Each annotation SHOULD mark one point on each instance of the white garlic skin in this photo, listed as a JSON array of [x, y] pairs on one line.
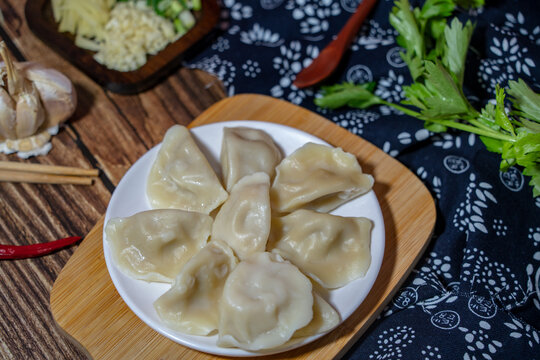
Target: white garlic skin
[[30, 112], [55, 90], [8, 115], [56, 93]]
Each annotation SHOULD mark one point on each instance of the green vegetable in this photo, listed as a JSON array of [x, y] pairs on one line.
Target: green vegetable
[[435, 49], [178, 11], [196, 5]]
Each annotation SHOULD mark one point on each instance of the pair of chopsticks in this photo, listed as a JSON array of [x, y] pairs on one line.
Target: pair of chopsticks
[[46, 174]]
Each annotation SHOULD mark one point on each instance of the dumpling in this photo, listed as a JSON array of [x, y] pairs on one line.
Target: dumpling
[[333, 250], [191, 305], [245, 151], [265, 301], [153, 245], [317, 177], [244, 220], [325, 318], [181, 176]]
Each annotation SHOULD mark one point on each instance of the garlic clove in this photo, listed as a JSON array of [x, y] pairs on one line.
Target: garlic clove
[[56, 91], [34, 101], [14, 79], [30, 112], [8, 116]]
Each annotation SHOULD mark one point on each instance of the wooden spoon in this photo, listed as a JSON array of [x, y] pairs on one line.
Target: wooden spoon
[[329, 58]]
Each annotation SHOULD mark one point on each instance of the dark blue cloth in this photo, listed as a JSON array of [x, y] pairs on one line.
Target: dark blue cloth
[[475, 293]]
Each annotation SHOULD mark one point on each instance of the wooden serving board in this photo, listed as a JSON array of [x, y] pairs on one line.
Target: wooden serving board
[[87, 307]]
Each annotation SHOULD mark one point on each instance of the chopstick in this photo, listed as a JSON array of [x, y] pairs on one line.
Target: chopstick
[[47, 174]]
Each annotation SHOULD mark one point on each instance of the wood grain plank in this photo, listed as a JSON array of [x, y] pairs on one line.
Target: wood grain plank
[[177, 100], [106, 327]]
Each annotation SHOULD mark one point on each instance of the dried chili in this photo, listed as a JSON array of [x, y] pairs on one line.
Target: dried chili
[[34, 250]]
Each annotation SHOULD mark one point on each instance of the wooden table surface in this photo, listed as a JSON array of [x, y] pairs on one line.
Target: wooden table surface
[[108, 131]]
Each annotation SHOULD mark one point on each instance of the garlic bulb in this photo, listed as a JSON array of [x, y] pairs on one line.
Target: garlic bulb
[[34, 100]]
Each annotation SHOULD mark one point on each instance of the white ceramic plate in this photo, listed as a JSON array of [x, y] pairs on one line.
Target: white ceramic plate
[[130, 198]]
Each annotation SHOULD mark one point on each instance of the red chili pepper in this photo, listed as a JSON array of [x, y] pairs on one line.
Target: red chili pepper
[[33, 250]]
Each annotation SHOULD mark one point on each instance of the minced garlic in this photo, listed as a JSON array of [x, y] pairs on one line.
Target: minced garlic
[[133, 31]]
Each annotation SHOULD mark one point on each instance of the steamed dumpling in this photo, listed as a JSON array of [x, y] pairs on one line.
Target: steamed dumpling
[[191, 305], [333, 250], [265, 301], [181, 176], [245, 151], [154, 245], [317, 177], [325, 318], [244, 220]]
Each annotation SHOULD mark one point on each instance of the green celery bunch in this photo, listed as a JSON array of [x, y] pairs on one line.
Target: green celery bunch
[[435, 49]]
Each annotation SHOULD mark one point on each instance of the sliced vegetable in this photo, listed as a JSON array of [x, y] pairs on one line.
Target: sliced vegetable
[[178, 11]]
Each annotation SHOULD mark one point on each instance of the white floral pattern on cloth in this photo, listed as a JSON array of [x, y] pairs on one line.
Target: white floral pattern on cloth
[[222, 69], [512, 61], [387, 148], [475, 293], [389, 88], [260, 36], [479, 343], [469, 215], [355, 120], [392, 342], [289, 62], [498, 278], [523, 331], [432, 284], [313, 16], [431, 353], [238, 10], [371, 36], [510, 58], [517, 23], [533, 268]]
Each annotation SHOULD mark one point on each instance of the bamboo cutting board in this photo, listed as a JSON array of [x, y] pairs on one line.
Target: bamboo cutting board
[[87, 307]]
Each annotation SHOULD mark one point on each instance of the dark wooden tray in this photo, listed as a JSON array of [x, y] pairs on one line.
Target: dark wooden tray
[[40, 20]]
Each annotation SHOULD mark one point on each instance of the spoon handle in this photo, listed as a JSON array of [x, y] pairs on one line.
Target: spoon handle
[[349, 31], [324, 64]]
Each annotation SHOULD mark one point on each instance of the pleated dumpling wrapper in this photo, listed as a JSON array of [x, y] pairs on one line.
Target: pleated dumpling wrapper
[[332, 250], [244, 220], [265, 301], [325, 318], [317, 177], [191, 305], [181, 177], [154, 245], [245, 151]]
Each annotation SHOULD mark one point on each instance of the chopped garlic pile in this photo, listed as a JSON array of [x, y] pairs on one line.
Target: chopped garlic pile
[[133, 30]]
